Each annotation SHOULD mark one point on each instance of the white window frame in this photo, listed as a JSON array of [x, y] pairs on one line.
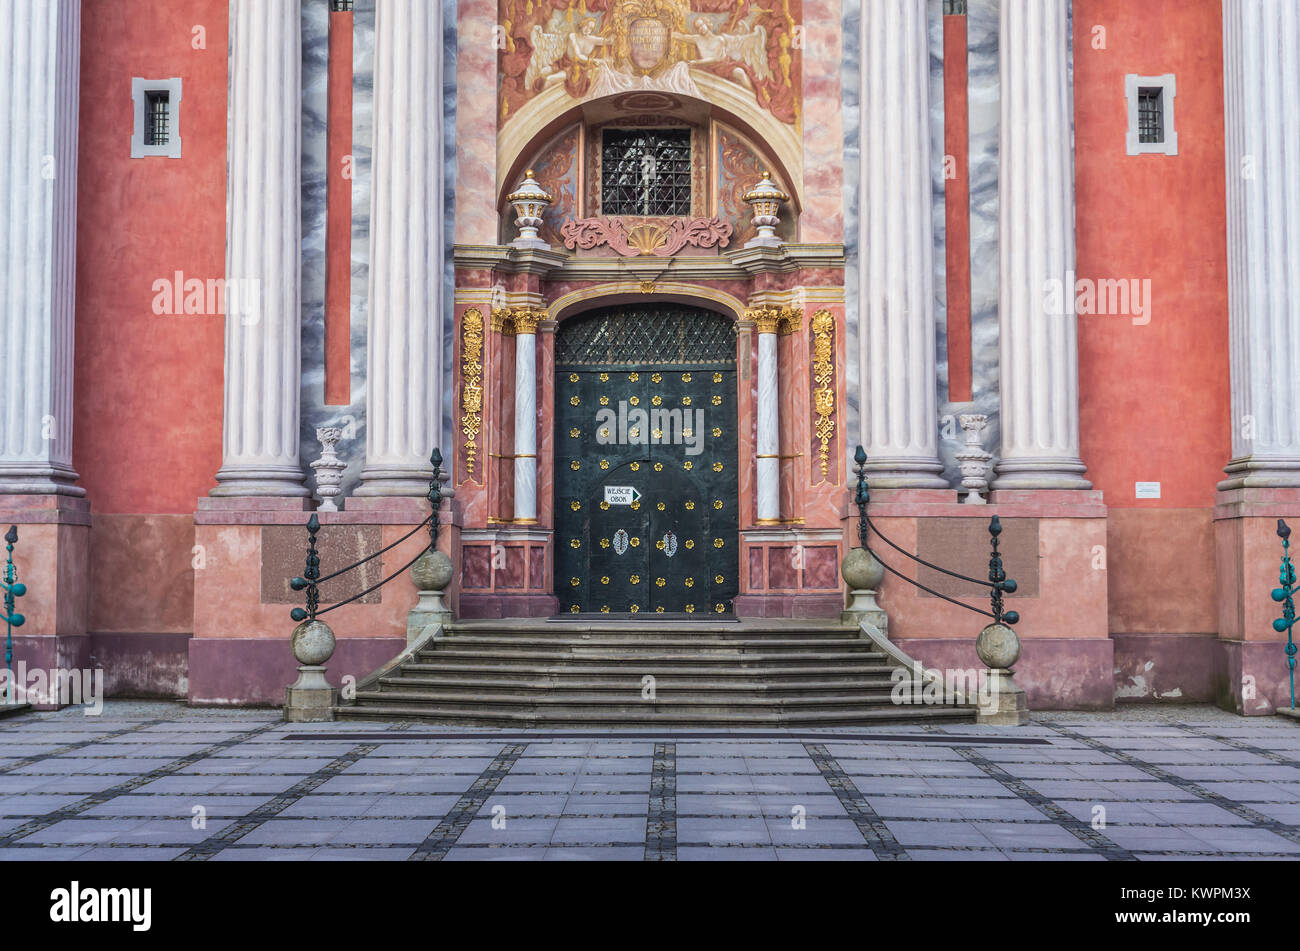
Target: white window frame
[[1133, 84], [140, 90]]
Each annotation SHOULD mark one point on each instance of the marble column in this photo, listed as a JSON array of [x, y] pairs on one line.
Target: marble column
[[259, 439], [526, 415], [899, 428], [1039, 358], [404, 358], [767, 488], [1261, 88], [40, 54]]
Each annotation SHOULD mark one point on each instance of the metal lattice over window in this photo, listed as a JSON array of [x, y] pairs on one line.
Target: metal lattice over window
[[157, 114], [340, 6], [646, 172], [1151, 115], [1151, 127], [955, 8], [653, 335]]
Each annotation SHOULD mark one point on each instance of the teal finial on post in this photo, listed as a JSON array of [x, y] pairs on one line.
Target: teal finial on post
[[1285, 596], [14, 589]]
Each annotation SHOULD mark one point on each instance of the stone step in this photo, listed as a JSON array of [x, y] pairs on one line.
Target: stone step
[[516, 672], [605, 691], [452, 655], [576, 701], [705, 642], [670, 718], [588, 672], [623, 683], [648, 624]]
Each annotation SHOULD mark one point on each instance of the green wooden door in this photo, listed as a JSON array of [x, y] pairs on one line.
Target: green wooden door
[[646, 480]]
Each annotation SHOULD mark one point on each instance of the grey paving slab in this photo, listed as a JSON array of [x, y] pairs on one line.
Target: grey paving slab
[[1188, 782]]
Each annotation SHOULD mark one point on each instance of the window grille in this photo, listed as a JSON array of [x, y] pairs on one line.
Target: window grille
[[340, 6], [954, 8], [646, 172], [1151, 116], [156, 118], [659, 335]]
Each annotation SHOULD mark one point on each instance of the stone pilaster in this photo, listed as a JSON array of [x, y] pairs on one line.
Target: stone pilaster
[[767, 446], [1261, 79], [263, 253], [1039, 359], [403, 375], [40, 55], [895, 250]]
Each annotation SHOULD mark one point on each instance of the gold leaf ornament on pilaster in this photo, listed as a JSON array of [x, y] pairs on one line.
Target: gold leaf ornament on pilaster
[[509, 321], [771, 320], [823, 368], [471, 354]]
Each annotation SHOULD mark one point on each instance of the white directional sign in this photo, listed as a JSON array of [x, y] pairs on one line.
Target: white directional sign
[[621, 495]]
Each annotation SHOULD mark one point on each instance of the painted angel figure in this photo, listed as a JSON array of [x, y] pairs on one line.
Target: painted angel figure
[[547, 48], [747, 50]]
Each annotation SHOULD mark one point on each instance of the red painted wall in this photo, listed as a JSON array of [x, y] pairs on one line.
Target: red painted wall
[[1154, 399], [147, 433]]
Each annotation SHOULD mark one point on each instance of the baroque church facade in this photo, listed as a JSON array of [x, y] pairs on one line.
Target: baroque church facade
[[647, 273]]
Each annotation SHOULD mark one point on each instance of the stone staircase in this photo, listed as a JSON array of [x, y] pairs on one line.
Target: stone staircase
[[578, 673]]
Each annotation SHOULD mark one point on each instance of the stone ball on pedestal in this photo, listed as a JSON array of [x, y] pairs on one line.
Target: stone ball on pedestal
[[861, 572], [998, 646], [432, 571], [312, 642]]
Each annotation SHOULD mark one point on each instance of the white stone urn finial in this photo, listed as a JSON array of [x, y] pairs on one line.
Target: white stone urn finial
[[329, 468], [765, 198], [530, 202], [974, 458]]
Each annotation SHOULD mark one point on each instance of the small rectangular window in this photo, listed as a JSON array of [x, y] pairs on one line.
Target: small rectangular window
[[646, 172], [156, 116], [340, 6], [1151, 115], [1151, 128]]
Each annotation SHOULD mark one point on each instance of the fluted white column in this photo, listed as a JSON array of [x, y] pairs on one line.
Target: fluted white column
[[263, 253], [1039, 357], [404, 357], [40, 55], [896, 250], [526, 416], [767, 485], [1261, 81]]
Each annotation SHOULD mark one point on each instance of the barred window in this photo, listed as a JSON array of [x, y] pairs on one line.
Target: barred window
[[340, 6], [954, 8], [156, 117], [646, 172], [1151, 115]]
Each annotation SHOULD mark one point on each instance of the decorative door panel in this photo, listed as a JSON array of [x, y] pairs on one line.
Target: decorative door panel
[[646, 482]]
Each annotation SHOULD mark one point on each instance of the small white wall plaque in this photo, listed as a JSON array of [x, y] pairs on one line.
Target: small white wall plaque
[[1148, 490]]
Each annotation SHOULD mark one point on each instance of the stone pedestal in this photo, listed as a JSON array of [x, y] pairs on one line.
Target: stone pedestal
[[863, 574], [431, 574], [310, 699], [1006, 706], [998, 646]]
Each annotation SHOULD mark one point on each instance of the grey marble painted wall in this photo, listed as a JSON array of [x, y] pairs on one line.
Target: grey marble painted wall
[[984, 120], [315, 171], [352, 418]]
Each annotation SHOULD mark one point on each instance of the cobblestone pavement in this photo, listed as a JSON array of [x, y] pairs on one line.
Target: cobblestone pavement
[[164, 782]]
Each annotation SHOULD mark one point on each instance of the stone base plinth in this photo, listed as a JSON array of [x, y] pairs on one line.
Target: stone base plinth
[[1007, 705], [311, 699]]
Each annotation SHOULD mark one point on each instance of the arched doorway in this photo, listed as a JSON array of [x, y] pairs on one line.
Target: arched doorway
[[646, 499]]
